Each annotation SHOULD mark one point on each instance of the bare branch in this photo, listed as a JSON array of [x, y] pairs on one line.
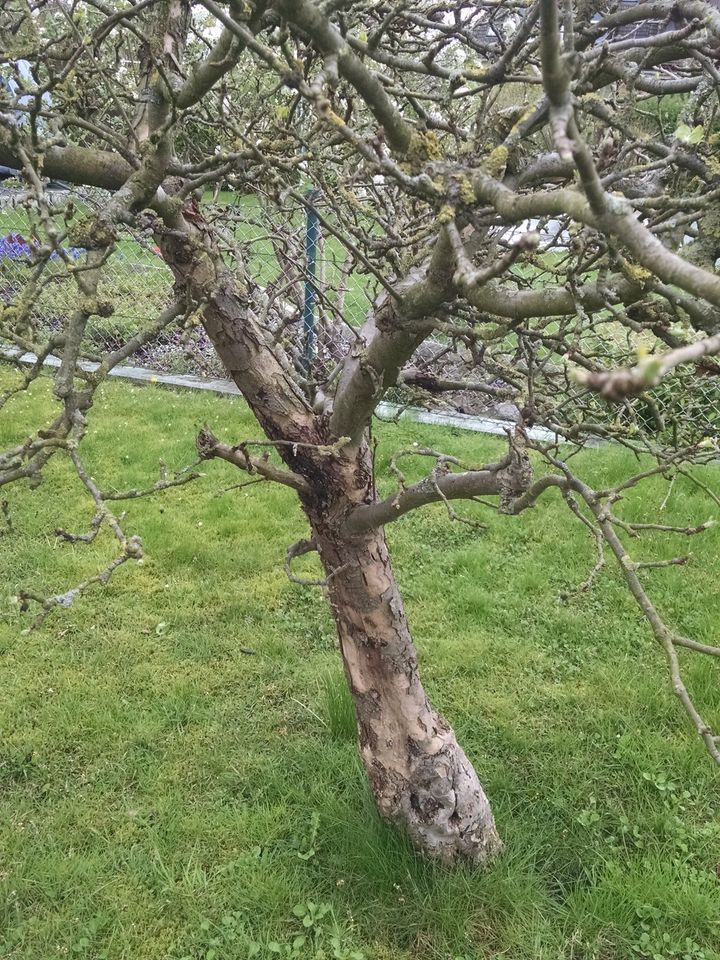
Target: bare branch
[[209, 446]]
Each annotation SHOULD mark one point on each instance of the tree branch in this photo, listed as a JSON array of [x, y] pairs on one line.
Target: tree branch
[[209, 446]]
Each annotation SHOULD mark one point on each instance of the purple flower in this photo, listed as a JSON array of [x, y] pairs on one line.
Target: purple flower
[[16, 247]]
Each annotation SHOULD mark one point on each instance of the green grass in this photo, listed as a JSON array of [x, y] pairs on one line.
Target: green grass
[[164, 795]]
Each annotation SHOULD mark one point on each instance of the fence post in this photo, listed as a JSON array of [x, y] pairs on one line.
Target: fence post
[[312, 226]]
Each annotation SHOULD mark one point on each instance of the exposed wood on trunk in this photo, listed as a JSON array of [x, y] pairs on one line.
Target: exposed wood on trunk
[[420, 775]]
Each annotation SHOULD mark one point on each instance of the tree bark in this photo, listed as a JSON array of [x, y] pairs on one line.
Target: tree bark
[[419, 774]]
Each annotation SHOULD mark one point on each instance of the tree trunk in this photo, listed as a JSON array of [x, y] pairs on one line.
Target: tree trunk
[[419, 774]]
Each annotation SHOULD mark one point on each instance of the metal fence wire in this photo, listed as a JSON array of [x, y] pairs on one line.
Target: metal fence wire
[[324, 298], [295, 266]]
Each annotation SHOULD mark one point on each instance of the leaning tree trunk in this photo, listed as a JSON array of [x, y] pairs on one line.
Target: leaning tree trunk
[[419, 774]]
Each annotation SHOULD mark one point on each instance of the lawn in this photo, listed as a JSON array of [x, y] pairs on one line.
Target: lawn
[[167, 794]]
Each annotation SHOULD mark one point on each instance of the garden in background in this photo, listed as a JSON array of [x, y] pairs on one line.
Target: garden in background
[[139, 285]]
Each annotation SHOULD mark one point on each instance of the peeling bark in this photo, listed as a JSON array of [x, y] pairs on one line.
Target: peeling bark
[[420, 776]]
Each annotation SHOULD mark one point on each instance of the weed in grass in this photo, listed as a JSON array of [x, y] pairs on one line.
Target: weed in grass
[[337, 705]]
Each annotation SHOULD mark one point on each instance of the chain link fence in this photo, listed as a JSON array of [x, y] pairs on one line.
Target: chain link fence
[[306, 278], [288, 273]]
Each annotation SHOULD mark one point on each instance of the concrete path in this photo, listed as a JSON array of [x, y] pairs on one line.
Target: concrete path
[[386, 411]]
